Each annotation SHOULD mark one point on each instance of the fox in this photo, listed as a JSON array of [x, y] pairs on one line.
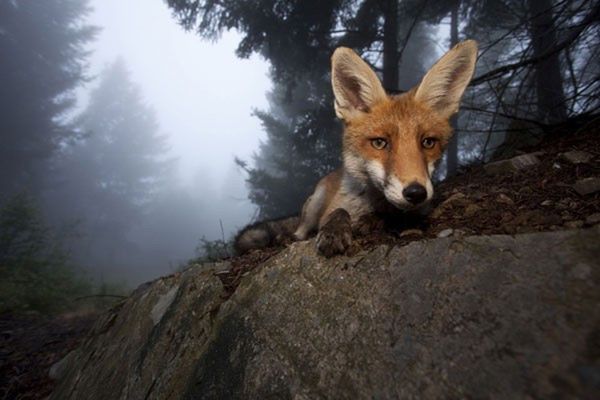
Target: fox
[[390, 145]]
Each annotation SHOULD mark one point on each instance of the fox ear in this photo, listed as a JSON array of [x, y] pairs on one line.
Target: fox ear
[[444, 84], [356, 87]]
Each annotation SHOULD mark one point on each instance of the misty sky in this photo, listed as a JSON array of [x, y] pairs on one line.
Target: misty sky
[[203, 94]]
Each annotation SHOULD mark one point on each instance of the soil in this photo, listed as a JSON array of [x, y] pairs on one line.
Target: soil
[[30, 345]]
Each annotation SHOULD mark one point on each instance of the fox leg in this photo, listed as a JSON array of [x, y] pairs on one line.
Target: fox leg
[[311, 212], [335, 234]]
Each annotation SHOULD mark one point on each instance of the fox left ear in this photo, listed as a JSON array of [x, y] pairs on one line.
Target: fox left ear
[[356, 87], [444, 84]]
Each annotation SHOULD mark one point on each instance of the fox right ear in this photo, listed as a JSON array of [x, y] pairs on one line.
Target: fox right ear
[[356, 87]]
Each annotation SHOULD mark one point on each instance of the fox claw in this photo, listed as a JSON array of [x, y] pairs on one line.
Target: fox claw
[[335, 237]]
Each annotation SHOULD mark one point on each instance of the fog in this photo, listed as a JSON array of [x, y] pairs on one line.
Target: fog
[[202, 93], [140, 134], [203, 96]]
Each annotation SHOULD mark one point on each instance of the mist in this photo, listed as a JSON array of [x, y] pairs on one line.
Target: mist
[[142, 134]]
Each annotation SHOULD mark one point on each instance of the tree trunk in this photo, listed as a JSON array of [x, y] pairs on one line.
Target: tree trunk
[[548, 78], [452, 153], [390, 45]]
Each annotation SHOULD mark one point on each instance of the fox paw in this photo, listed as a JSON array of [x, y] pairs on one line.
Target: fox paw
[[335, 237]]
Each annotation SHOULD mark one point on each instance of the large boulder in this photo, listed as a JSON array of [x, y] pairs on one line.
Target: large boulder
[[475, 317]]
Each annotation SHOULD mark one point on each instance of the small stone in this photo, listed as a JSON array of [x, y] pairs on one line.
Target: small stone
[[593, 219], [576, 157], [581, 271], [574, 224], [411, 232], [525, 191], [546, 203], [460, 233], [562, 204], [471, 210], [511, 165], [566, 216], [445, 233], [587, 186], [504, 199]]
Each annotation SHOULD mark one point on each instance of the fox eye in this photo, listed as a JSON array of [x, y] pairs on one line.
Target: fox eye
[[379, 143], [428, 142]]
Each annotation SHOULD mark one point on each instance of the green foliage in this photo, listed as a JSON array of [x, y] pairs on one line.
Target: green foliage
[[213, 250], [35, 274]]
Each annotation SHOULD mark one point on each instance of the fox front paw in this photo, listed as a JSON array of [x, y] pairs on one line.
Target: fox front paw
[[336, 235]]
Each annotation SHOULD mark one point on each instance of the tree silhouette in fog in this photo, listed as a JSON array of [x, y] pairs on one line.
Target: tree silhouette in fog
[[111, 173], [539, 66], [298, 37], [42, 60]]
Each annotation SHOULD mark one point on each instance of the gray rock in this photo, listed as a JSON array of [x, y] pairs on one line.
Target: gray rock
[[574, 224], [475, 317], [512, 164], [445, 233], [504, 199], [411, 232], [593, 219], [576, 157], [587, 186]]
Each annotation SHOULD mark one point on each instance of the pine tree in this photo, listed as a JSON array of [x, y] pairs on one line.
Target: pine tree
[[298, 38], [43, 59], [110, 175]]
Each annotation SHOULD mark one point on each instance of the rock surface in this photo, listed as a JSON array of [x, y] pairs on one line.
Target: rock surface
[[512, 164], [587, 186], [475, 317]]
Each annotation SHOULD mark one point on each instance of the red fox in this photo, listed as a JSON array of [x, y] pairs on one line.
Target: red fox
[[390, 144]]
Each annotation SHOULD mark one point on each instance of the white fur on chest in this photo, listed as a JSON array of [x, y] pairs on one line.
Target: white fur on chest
[[356, 198]]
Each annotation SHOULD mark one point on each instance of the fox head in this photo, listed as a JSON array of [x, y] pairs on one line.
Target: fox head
[[393, 142]]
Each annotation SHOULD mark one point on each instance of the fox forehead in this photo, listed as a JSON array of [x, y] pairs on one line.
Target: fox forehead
[[399, 117]]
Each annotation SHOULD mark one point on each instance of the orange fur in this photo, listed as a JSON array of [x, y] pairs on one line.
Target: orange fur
[[399, 173]]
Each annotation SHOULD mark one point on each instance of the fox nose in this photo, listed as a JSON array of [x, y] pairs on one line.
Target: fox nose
[[415, 193]]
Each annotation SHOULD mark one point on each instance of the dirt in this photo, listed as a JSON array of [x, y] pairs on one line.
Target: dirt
[[30, 345], [537, 198]]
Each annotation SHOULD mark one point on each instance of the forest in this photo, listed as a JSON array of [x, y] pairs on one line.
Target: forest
[[94, 188], [97, 196]]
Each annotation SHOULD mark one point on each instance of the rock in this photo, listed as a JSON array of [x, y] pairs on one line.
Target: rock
[[471, 210], [411, 232], [460, 233], [587, 186], [525, 191], [576, 157], [574, 224], [475, 317], [511, 165], [445, 233], [593, 219], [59, 368], [504, 199]]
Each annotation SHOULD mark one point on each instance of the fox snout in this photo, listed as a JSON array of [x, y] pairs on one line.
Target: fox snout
[[407, 196], [415, 193]]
